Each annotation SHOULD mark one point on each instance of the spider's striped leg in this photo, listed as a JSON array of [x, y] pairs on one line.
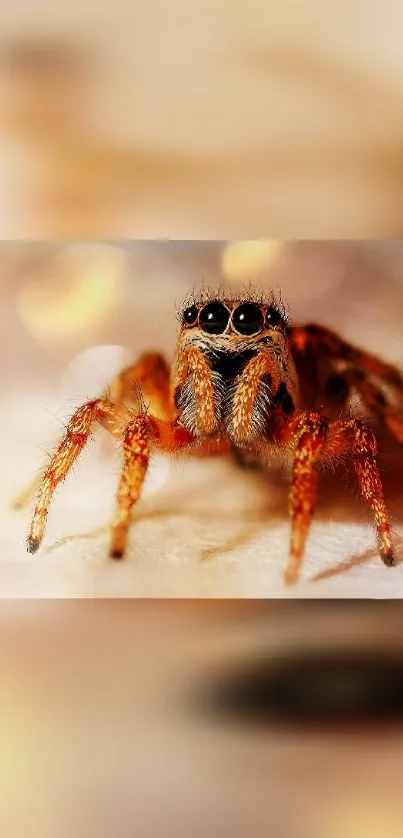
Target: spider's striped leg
[[141, 435], [113, 417], [137, 434], [147, 378], [313, 438], [306, 435], [353, 435]]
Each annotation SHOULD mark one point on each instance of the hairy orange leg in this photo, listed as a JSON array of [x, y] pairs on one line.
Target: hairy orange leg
[[355, 436], [312, 439], [141, 435], [150, 376], [306, 434], [137, 435], [113, 417]]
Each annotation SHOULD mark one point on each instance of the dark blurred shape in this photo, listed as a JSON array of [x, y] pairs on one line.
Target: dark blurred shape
[[340, 688]]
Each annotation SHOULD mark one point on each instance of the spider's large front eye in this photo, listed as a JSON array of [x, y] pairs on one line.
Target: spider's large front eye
[[214, 318], [190, 316], [273, 317], [248, 319]]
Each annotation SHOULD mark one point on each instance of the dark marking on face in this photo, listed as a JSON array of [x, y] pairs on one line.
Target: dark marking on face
[[178, 398], [283, 399], [230, 364], [267, 379], [337, 386], [381, 399]]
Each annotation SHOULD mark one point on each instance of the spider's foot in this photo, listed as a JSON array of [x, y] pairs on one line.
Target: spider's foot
[[33, 545], [389, 559], [116, 553], [291, 575]]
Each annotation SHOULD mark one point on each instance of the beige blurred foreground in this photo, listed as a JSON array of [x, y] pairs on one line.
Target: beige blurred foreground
[[72, 316], [100, 736]]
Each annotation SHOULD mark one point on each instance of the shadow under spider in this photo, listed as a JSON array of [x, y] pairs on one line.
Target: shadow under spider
[[329, 501], [258, 517], [356, 561]]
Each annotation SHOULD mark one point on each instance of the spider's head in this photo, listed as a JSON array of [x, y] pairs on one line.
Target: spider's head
[[227, 324], [233, 365]]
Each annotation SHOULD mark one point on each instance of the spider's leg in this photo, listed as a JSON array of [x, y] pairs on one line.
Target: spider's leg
[[354, 436], [113, 417], [312, 438], [147, 378], [306, 435], [141, 435]]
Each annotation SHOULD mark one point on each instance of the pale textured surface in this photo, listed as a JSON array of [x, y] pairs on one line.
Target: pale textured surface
[[189, 508]]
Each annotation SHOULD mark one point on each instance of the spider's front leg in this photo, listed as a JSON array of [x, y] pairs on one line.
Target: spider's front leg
[[312, 438], [141, 435], [149, 378], [99, 411], [137, 434], [306, 435]]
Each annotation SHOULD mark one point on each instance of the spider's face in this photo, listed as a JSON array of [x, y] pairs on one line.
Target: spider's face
[[243, 365]]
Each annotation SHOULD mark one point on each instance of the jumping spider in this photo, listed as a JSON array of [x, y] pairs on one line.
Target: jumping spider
[[243, 381]]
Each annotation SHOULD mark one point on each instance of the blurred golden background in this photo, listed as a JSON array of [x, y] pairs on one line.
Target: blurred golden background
[[201, 121], [72, 316]]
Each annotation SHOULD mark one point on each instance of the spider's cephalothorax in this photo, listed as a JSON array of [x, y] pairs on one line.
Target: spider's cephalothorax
[[243, 380], [233, 369]]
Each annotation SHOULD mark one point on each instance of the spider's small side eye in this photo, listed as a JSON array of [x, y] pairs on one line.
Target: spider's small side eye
[[190, 316], [273, 317]]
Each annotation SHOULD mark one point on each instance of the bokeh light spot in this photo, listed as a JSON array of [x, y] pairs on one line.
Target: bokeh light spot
[[247, 260], [78, 292]]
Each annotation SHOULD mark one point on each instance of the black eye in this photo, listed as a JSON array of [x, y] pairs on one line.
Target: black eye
[[214, 318], [248, 319], [273, 317], [190, 315]]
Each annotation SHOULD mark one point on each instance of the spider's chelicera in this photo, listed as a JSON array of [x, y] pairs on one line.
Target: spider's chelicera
[[243, 381]]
